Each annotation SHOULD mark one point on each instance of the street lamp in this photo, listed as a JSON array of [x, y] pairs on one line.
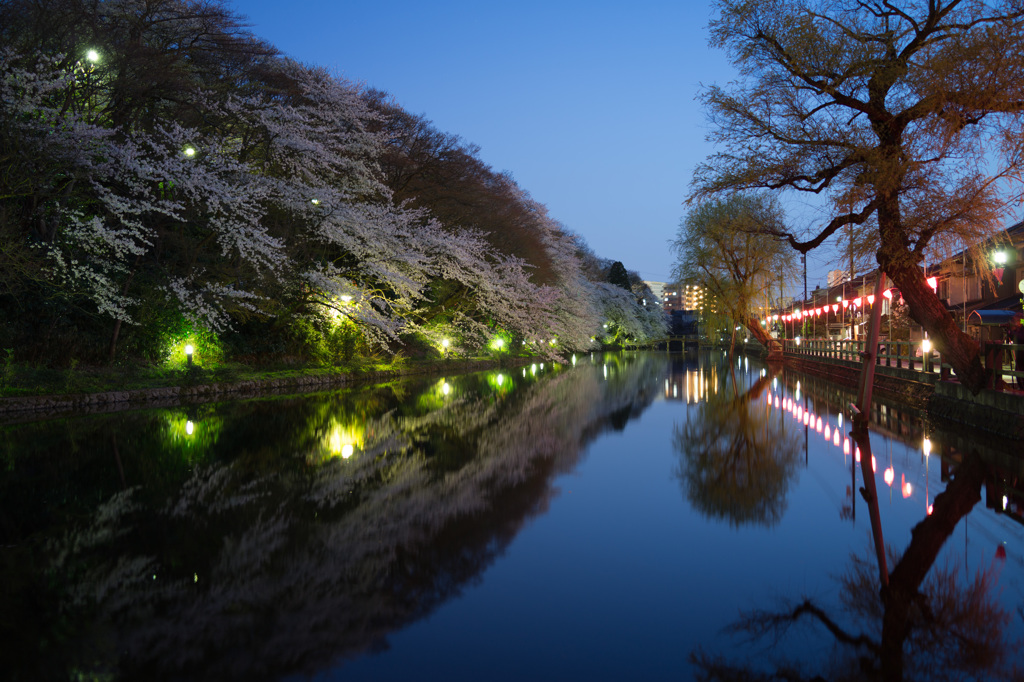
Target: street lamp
[[189, 350], [1000, 257]]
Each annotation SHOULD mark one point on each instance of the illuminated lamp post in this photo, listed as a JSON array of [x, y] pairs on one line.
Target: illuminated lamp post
[[189, 350], [1000, 259]]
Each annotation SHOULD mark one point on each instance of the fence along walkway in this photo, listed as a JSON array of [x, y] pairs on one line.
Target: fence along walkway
[[910, 356]]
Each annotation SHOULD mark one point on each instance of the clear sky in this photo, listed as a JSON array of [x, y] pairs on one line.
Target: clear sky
[[590, 105]]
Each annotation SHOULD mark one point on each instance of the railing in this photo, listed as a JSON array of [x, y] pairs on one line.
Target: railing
[[910, 356]]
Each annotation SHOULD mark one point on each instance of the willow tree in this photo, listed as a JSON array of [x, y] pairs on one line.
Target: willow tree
[[722, 246], [913, 106]]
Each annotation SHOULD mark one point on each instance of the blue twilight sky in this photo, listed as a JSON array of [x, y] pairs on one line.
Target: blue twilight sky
[[590, 105]]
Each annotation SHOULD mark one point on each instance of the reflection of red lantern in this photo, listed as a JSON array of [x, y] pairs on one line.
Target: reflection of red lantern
[[846, 446], [807, 416], [819, 425], [931, 508], [835, 438], [828, 432], [873, 463], [889, 475], [1001, 552], [905, 485]]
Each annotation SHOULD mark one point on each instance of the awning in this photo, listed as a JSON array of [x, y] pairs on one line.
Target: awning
[[991, 318]]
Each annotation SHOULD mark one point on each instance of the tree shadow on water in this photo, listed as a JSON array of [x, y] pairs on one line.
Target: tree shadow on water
[[736, 461], [910, 623]]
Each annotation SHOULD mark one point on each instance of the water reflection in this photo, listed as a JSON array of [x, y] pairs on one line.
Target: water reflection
[[916, 622], [303, 529], [736, 459]]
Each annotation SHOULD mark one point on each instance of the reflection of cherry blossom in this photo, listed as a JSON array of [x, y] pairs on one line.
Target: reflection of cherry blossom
[[322, 556]]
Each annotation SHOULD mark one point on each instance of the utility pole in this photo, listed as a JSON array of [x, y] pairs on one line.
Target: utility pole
[[803, 257]]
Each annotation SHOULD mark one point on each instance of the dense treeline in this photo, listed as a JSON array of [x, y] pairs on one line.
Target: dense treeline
[[168, 175]]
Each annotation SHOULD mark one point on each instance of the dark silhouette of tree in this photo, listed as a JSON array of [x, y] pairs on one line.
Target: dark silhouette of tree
[[618, 276]]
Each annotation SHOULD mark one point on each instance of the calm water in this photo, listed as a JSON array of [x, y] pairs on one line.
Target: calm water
[[603, 521]]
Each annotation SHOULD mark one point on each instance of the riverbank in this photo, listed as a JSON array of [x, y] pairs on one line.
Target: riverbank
[[199, 386]]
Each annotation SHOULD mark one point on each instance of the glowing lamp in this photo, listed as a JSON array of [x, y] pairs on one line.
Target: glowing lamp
[[835, 307], [846, 304], [888, 294], [189, 427], [190, 152], [856, 302], [871, 299], [444, 343], [926, 446], [446, 388], [933, 282], [189, 350], [347, 449], [93, 56], [926, 346]]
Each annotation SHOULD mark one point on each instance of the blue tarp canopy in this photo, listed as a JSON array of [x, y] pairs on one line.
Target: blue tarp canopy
[[990, 317]]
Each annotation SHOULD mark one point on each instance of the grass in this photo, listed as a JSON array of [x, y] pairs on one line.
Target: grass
[[23, 380]]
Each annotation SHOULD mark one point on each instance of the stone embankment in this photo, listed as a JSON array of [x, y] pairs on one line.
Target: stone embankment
[[997, 412]]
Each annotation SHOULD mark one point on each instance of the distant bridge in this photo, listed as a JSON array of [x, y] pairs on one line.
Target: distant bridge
[[678, 342]]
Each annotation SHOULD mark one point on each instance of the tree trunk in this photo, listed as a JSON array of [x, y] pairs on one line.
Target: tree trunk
[[957, 348], [753, 324]]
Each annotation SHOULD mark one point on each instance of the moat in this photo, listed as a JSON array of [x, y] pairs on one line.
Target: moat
[[611, 518]]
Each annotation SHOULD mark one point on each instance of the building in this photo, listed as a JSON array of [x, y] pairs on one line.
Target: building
[[680, 297], [658, 289]]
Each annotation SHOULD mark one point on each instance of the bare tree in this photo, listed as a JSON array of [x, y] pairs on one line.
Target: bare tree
[[911, 108]]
